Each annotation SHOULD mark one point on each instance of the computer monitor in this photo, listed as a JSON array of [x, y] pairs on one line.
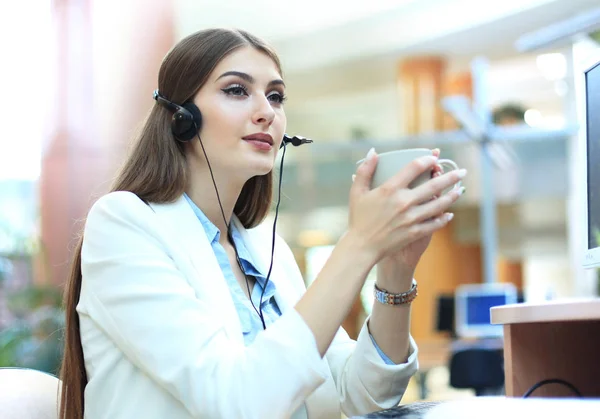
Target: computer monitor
[[590, 130], [472, 308], [445, 313]]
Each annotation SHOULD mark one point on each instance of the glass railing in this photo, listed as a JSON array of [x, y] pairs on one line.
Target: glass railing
[[531, 167]]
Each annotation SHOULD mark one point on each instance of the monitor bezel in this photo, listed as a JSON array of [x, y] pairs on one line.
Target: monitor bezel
[[490, 330], [591, 257]]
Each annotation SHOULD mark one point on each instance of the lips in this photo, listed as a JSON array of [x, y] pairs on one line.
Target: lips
[[265, 138]]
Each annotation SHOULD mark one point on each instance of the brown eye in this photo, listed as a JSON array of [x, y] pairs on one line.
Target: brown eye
[[277, 98], [237, 90]]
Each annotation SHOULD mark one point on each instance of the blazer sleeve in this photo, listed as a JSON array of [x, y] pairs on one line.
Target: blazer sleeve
[[365, 383], [133, 290]]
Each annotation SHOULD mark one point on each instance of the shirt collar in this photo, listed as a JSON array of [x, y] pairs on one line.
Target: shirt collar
[[213, 234]]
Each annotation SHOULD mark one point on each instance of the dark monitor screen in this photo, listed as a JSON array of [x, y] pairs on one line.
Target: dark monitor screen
[[592, 79], [445, 314]]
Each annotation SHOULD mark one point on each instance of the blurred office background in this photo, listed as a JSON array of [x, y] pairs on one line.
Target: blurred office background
[[493, 84]]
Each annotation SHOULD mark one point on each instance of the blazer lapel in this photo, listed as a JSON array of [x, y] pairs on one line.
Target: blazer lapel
[[258, 242], [322, 403], [187, 234]]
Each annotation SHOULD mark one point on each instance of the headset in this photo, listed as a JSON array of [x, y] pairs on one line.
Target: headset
[[187, 121], [185, 125]]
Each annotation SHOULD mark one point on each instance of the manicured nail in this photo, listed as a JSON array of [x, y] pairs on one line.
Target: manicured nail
[[462, 173], [353, 177], [449, 217], [371, 153], [461, 190]]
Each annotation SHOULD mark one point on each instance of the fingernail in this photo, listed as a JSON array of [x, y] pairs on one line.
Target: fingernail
[[462, 173], [353, 177], [449, 217], [371, 153], [461, 190]]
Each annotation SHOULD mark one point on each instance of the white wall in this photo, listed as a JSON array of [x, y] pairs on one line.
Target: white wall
[[547, 276]]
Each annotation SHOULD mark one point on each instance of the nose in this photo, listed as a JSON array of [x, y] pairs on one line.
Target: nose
[[263, 112]]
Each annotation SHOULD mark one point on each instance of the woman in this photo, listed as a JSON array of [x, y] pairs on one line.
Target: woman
[[159, 317]]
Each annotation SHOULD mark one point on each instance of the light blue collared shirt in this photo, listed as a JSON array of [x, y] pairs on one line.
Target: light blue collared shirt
[[249, 319]]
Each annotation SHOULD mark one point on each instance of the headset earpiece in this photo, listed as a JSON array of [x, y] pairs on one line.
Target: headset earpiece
[[186, 120]]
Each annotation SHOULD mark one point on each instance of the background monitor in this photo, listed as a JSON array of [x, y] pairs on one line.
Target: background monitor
[[445, 309], [591, 132], [472, 308]]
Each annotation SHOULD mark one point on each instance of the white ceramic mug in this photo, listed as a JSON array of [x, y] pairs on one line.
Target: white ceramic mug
[[391, 162]]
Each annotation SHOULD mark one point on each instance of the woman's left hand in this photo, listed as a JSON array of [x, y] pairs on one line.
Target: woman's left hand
[[407, 258]]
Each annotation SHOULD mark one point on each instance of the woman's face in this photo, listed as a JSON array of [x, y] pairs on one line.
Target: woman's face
[[243, 120]]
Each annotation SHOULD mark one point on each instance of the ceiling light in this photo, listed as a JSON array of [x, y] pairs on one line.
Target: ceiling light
[[533, 117]]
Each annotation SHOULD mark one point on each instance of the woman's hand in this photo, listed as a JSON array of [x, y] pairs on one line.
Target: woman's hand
[[406, 259], [395, 221]]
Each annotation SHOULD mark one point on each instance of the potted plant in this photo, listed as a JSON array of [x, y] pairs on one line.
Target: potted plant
[[32, 336]]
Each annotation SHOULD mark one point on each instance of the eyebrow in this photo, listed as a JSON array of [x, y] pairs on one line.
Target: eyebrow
[[249, 78]]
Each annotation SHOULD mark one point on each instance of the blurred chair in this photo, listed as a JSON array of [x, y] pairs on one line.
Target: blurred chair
[[28, 394], [480, 369]]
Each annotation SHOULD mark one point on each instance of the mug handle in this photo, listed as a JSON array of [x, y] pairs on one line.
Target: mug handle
[[454, 166]]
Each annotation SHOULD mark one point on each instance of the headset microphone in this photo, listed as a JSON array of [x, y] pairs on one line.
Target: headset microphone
[[296, 140]]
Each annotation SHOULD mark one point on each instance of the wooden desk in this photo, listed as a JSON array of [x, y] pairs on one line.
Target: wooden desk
[[556, 339], [510, 407]]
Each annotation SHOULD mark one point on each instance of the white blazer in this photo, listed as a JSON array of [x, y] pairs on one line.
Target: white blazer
[[162, 339]]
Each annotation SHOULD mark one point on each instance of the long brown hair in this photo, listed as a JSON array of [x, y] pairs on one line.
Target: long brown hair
[[156, 171]]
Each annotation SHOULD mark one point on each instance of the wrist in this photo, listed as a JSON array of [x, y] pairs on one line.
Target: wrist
[[357, 251], [394, 276], [395, 298]]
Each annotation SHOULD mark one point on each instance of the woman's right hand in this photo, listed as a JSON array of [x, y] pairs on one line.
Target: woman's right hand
[[392, 216], [381, 221]]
